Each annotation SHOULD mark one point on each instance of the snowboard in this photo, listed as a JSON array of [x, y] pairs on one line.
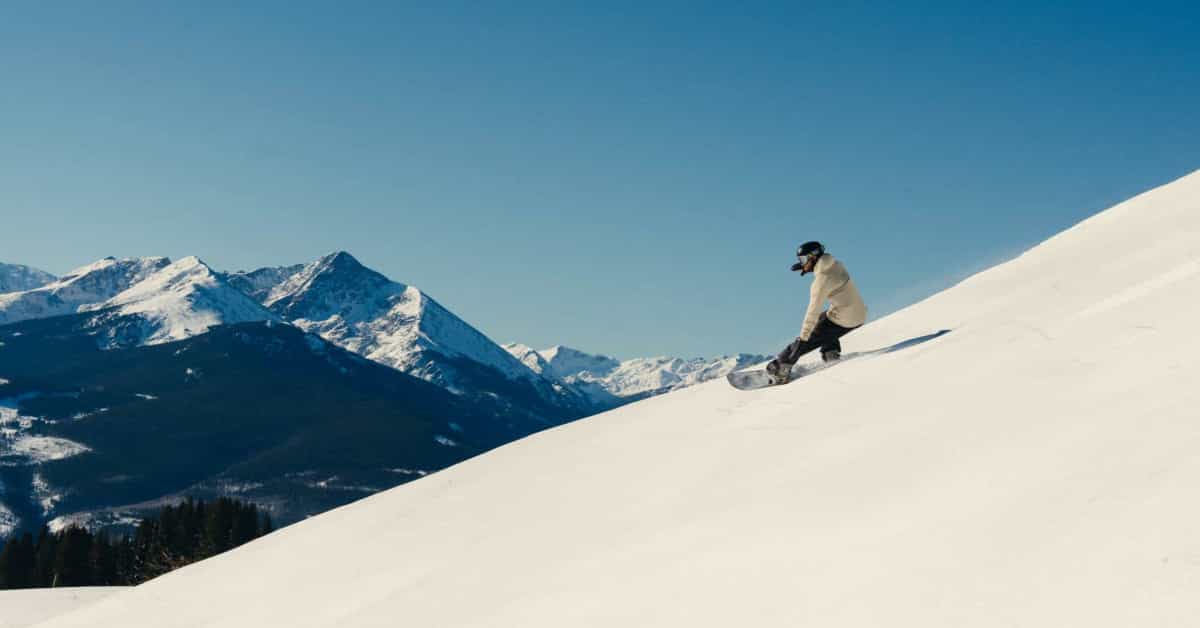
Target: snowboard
[[753, 379], [749, 380]]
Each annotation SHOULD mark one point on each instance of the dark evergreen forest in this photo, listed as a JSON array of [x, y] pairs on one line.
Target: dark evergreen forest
[[178, 535]]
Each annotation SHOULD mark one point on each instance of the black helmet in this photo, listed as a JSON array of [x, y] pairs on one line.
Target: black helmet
[[811, 250]]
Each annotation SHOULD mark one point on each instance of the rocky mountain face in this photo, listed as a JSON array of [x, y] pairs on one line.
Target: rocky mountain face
[[388, 322], [183, 299], [257, 284], [88, 285], [18, 278]]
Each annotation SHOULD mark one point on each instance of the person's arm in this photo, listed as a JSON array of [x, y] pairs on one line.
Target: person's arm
[[816, 304]]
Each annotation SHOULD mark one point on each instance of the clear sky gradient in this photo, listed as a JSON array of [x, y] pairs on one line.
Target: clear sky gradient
[[629, 178]]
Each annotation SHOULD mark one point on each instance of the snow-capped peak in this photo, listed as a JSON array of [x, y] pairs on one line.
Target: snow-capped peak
[[17, 278], [86, 285], [384, 320], [566, 362], [530, 358], [603, 377], [181, 300], [334, 285]]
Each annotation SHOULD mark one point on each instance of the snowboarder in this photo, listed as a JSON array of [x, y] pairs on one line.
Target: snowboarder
[[822, 328]]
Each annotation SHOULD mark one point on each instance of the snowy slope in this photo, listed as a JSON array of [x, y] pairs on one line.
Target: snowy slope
[[1035, 466], [179, 301], [17, 278], [86, 285], [605, 378], [22, 608]]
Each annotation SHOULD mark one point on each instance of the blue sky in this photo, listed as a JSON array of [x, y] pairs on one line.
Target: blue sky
[[624, 177]]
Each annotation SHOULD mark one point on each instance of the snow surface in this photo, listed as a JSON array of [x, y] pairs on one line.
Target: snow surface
[[86, 285], [1035, 466], [26, 607], [181, 300]]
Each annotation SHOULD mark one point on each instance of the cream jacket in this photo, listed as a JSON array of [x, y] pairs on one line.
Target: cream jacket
[[832, 283]]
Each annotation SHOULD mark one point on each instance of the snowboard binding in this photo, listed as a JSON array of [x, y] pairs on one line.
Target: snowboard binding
[[780, 373]]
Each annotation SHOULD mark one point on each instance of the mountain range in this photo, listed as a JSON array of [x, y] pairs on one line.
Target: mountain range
[[608, 381], [104, 401]]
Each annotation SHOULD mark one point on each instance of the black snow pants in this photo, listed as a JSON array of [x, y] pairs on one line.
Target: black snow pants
[[824, 336]]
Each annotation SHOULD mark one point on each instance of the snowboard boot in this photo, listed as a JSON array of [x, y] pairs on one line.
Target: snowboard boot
[[780, 373], [833, 355]]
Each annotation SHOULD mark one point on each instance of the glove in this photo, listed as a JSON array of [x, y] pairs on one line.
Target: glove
[[798, 266]]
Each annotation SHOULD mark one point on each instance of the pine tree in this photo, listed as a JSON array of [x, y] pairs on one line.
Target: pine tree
[[199, 522], [126, 562], [245, 524], [71, 564], [25, 563], [219, 525], [45, 556], [7, 556], [103, 561]]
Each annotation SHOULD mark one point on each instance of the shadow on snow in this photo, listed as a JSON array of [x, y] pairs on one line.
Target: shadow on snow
[[911, 342], [854, 355]]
